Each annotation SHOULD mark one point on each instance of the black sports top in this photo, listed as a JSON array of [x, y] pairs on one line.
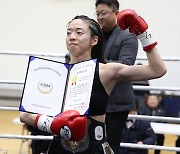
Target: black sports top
[[99, 97]]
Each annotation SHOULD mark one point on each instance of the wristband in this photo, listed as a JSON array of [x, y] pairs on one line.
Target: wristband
[[43, 123], [147, 40]]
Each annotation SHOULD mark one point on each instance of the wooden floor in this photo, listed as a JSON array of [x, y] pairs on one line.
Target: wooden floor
[[13, 145], [169, 141], [8, 127]]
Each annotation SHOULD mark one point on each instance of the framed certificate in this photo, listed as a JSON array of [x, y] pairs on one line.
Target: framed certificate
[[52, 87]]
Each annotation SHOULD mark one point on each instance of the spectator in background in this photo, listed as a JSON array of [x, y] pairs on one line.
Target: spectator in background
[[153, 107], [137, 131], [119, 46], [140, 95]]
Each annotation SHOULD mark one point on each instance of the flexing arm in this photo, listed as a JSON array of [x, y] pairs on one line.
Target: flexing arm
[[155, 68]]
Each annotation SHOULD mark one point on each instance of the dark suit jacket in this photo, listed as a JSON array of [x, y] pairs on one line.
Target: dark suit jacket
[[140, 131], [121, 47]]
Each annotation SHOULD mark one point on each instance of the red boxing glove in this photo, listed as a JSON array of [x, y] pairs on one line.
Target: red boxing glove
[[68, 124], [137, 25]]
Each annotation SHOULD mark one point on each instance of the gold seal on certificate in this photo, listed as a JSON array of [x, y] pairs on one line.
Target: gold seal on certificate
[[52, 87]]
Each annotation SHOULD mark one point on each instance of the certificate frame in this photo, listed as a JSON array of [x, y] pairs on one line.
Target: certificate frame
[[49, 87]]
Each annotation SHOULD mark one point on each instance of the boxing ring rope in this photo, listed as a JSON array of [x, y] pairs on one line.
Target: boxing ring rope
[[128, 145], [154, 118], [143, 146], [12, 82], [4, 108], [27, 53], [32, 137], [138, 117], [174, 59], [135, 87]]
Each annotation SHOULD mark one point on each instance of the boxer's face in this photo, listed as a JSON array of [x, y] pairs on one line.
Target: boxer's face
[[78, 40]]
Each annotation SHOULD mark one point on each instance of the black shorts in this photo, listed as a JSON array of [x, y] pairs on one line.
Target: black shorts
[[90, 144]]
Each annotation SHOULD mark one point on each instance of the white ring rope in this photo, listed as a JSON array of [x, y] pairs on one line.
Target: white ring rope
[[32, 137], [128, 145], [154, 118], [11, 82], [143, 146], [138, 117], [28, 53], [9, 108], [174, 59], [156, 88], [25, 53], [135, 87]]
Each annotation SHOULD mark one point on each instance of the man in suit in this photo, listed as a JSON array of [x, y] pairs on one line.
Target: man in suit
[[139, 132], [121, 47]]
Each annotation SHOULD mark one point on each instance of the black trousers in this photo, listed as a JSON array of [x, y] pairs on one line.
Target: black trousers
[[178, 144], [39, 146], [160, 141], [115, 123]]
